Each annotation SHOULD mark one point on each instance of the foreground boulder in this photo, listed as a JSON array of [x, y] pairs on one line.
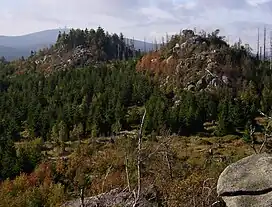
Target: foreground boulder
[[247, 182]]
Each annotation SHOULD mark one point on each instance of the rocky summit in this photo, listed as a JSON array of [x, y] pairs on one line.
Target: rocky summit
[[199, 61]]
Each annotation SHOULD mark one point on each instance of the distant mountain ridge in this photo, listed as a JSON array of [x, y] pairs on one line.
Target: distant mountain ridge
[[14, 47]]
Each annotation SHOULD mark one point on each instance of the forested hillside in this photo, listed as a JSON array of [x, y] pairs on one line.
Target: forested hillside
[[92, 84], [80, 48]]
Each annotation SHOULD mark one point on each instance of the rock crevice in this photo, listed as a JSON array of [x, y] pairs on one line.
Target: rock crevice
[[242, 192]]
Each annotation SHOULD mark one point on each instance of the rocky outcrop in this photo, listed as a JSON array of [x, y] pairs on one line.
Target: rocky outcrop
[[247, 182], [206, 62], [59, 58], [116, 197]]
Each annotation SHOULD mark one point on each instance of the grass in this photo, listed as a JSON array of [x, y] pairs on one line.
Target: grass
[[191, 159], [194, 147], [184, 170]]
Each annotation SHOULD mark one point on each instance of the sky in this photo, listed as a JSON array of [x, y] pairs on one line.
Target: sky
[[140, 19]]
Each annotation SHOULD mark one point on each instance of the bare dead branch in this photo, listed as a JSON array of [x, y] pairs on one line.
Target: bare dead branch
[[127, 174], [157, 149], [251, 135], [216, 202], [211, 73], [264, 143], [207, 191], [263, 114], [139, 161], [266, 130], [204, 183], [169, 165], [253, 147], [107, 173]]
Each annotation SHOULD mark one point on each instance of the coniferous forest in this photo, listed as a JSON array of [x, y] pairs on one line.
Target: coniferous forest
[[104, 93]]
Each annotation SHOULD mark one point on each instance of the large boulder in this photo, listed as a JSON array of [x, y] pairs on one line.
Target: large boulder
[[247, 182]]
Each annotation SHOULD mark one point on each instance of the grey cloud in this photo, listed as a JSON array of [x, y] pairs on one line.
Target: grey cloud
[[229, 4], [141, 18]]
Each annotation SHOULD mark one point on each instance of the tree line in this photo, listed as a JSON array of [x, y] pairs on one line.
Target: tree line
[[104, 46]]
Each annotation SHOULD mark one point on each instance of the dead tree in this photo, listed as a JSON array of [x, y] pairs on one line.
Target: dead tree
[[156, 44], [139, 160], [252, 138], [83, 181], [267, 134], [127, 173], [168, 160], [144, 45], [166, 154], [162, 41], [82, 192], [270, 63], [264, 44], [167, 38], [105, 178], [258, 44]]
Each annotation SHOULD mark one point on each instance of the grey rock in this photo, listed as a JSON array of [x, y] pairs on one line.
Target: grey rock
[[183, 45], [44, 58], [210, 65], [214, 82], [225, 79], [177, 45], [188, 33], [177, 102], [191, 87], [209, 60], [168, 59], [115, 197], [247, 182], [201, 83], [208, 78]]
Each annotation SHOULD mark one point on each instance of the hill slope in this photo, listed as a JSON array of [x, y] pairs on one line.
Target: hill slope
[[11, 53], [14, 47], [32, 40]]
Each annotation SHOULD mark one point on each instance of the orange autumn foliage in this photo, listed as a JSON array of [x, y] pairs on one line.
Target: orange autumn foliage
[[36, 188], [156, 63]]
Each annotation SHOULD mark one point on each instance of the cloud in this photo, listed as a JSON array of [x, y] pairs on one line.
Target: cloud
[[139, 18], [257, 2]]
